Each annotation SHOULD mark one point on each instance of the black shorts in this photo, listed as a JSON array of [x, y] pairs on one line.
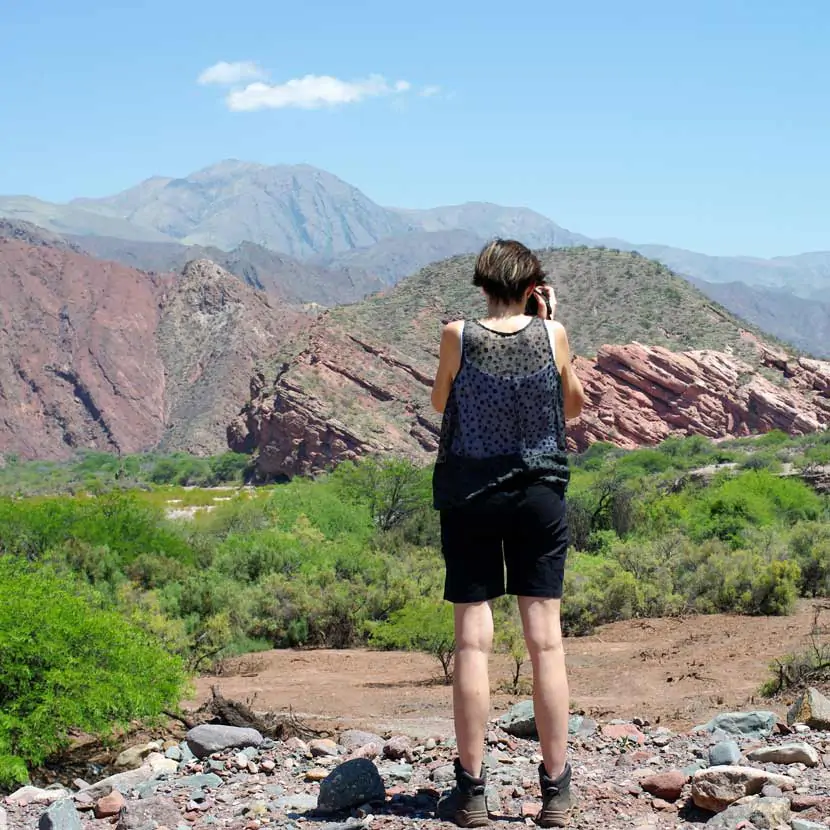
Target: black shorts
[[523, 531]]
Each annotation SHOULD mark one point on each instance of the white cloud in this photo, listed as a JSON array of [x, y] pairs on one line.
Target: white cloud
[[312, 92], [430, 91], [228, 74]]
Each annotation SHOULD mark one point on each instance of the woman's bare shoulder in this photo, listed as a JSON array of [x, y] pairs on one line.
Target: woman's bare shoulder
[[454, 329]]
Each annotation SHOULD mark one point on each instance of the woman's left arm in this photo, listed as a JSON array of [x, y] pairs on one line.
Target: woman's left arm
[[449, 362]]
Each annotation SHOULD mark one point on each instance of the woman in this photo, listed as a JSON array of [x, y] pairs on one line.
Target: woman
[[505, 386]]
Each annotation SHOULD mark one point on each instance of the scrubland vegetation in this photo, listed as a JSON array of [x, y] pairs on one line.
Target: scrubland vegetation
[[100, 588]]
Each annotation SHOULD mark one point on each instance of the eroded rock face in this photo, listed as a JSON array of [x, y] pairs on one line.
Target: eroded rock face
[[344, 397]]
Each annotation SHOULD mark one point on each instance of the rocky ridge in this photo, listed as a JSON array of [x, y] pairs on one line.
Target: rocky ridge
[[345, 396], [96, 355], [740, 771]]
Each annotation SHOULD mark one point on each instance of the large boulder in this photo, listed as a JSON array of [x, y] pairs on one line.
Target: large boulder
[[792, 753], [716, 788], [208, 738], [349, 785], [757, 724], [35, 795], [812, 708], [61, 815], [123, 781], [760, 813]]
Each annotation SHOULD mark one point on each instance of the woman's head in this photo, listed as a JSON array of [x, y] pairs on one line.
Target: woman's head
[[507, 271]]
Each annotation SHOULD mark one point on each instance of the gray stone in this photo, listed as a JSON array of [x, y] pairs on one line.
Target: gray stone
[[493, 799], [36, 795], [397, 773], [148, 814], [351, 784], [123, 781], [757, 724], [297, 803], [806, 824], [4, 819], [761, 813], [208, 738], [198, 781], [724, 754], [574, 724], [519, 720], [174, 752], [353, 739], [61, 815], [716, 788], [216, 764], [792, 753], [444, 774], [812, 709], [694, 767]]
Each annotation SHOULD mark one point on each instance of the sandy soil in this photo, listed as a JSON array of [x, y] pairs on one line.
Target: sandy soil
[[674, 671]]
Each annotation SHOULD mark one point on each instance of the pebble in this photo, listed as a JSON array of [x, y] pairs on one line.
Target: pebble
[[665, 785], [323, 746], [110, 805], [316, 774], [724, 753], [268, 765], [623, 731]]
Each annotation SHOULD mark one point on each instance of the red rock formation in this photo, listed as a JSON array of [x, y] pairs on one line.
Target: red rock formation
[[639, 395]]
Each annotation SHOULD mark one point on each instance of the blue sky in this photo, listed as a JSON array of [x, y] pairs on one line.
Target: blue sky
[[702, 124]]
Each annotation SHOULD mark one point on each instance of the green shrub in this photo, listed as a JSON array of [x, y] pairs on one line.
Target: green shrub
[[423, 625], [68, 663]]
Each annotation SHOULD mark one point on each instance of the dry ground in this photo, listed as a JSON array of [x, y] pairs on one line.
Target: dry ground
[[675, 671]]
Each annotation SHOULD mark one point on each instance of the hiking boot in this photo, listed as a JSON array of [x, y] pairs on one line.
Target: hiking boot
[[556, 798], [465, 804]]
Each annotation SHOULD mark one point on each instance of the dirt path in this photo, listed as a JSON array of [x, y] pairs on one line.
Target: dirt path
[[677, 671]]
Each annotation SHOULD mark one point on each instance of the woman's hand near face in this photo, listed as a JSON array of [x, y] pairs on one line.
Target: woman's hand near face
[[542, 292]]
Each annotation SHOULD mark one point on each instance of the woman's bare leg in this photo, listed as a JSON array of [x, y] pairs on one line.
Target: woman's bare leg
[[471, 682], [543, 635]]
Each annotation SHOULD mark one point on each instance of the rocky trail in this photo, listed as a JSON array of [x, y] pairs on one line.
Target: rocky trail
[[740, 771]]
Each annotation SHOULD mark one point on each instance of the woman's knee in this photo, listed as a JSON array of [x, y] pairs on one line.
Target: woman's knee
[[474, 628], [542, 628]]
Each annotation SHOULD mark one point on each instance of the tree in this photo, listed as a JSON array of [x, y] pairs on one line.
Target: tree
[[423, 625]]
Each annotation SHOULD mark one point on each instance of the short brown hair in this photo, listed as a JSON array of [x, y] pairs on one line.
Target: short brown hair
[[505, 269]]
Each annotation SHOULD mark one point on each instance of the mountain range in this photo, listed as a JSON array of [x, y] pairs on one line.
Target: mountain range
[[305, 235], [95, 354]]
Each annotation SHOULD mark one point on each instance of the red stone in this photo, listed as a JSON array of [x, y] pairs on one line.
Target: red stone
[[618, 731], [110, 805], [666, 785]]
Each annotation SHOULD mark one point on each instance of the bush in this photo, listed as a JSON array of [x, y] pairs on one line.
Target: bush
[[66, 662], [424, 625]]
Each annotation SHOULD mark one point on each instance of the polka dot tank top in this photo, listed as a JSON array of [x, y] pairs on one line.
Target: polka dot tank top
[[504, 423]]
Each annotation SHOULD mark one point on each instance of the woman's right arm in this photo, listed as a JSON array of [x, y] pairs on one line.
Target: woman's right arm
[[571, 384]]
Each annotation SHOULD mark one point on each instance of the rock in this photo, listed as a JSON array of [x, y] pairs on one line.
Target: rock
[[316, 774], [574, 724], [371, 750], [806, 824], [198, 781], [159, 764], [353, 739], [800, 803], [665, 785], [268, 765], [770, 791], [694, 767], [396, 773], [398, 749], [134, 756], [519, 720], [724, 754], [4, 819], [444, 774], [716, 788], [757, 724], [174, 753], [297, 803], [623, 731], [761, 813], [812, 709], [110, 805], [661, 737], [793, 753], [349, 785], [35, 795], [492, 798], [61, 815], [208, 738], [322, 747], [149, 814]]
